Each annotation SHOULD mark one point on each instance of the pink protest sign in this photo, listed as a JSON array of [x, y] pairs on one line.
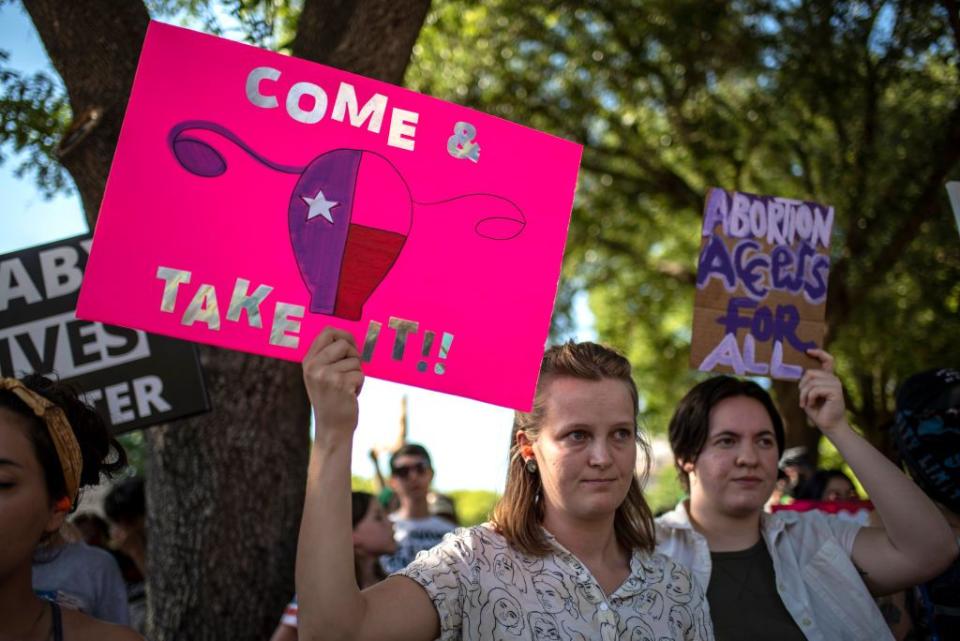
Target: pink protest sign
[[256, 198]]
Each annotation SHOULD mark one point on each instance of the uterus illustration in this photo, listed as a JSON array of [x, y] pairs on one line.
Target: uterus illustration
[[349, 215]]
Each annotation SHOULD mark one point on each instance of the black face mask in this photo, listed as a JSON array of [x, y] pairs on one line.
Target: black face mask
[[926, 430]]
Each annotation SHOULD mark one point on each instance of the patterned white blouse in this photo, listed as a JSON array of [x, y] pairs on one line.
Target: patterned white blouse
[[484, 589]]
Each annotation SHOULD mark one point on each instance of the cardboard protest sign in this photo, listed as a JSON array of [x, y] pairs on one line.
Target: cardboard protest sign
[[953, 189], [256, 198], [761, 284], [131, 378]]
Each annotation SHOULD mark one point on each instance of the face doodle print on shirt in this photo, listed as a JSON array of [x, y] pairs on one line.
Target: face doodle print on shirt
[[559, 602], [345, 241], [544, 627], [653, 572], [681, 620], [651, 602], [551, 592], [679, 587], [637, 629], [501, 617], [503, 569]]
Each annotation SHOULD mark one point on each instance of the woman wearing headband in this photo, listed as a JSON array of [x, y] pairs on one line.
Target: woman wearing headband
[[51, 445]]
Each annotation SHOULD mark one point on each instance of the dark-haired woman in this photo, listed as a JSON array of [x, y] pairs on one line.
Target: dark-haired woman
[[790, 575], [827, 485], [51, 445], [568, 554]]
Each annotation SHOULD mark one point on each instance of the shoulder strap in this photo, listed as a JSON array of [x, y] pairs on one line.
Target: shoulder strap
[[57, 621]]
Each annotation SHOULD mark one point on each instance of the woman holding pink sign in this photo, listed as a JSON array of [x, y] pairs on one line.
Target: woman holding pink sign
[[568, 554]]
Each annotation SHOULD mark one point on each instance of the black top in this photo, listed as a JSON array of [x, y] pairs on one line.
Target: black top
[[57, 623], [937, 608], [744, 602]]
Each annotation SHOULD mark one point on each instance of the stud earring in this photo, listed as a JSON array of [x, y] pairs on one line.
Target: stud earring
[[531, 466]]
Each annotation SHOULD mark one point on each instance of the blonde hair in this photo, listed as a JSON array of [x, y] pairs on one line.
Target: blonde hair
[[519, 512]]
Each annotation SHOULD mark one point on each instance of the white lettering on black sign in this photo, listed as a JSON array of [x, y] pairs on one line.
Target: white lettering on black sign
[[68, 346]]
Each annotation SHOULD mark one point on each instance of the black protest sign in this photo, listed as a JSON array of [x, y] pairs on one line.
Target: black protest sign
[[132, 378]]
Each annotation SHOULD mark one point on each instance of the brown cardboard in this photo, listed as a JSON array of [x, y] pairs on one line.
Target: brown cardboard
[[802, 315]]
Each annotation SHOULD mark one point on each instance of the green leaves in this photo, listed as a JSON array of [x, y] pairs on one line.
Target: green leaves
[[34, 113], [853, 103]]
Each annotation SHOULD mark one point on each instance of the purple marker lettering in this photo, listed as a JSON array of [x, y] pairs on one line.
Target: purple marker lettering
[[715, 261], [787, 320], [750, 262], [733, 321]]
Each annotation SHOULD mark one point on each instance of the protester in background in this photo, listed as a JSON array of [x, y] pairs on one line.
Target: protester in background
[[411, 473], [372, 537], [827, 485], [569, 551], [926, 431], [795, 463], [81, 577], [831, 492], [93, 529], [779, 496], [51, 445], [126, 507], [443, 506], [790, 575]]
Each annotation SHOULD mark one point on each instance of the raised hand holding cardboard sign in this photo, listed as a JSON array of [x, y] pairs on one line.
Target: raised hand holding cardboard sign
[[761, 284]]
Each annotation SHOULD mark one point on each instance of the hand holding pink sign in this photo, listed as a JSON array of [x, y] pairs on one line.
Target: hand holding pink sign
[[285, 197]]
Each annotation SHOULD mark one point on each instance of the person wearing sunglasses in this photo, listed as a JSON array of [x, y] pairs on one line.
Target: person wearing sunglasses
[[415, 528]]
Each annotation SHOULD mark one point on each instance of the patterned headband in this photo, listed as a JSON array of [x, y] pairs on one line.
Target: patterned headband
[[64, 440]]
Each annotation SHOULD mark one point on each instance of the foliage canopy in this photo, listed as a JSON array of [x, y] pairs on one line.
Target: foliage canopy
[[852, 103]]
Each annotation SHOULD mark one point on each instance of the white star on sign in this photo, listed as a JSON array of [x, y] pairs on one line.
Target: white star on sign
[[319, 206]]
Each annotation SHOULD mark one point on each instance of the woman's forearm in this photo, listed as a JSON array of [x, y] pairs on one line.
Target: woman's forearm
[[330, 604], [913, 524]]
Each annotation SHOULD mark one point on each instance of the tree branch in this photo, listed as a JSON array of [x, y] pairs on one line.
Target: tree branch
[[945, 156], [94, 45], [369, 37], [867, 135]]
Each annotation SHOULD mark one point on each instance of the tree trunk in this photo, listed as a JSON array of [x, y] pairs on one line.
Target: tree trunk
[[224, 490]]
